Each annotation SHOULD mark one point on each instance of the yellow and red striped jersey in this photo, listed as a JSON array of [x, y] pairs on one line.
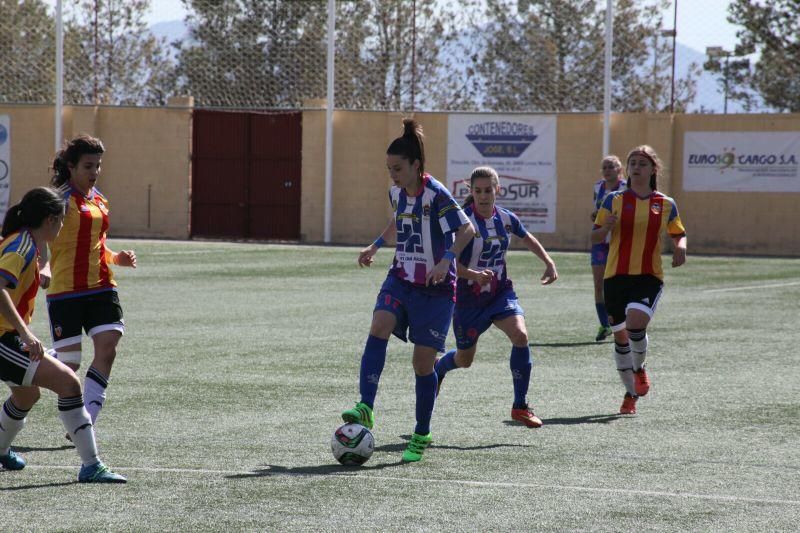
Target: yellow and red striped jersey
[[19, 265], [636, 237], [79, 259]]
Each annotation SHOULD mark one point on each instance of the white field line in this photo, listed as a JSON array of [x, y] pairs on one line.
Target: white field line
[[361, 478], [754, 287]]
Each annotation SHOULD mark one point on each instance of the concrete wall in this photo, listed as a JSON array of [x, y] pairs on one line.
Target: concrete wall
[[715, 222], [149, 149], [146, 172], [754, 223]]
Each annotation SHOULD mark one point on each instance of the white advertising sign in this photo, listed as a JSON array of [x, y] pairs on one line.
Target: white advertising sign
[[521, 148], [5, 163], [753, 161]]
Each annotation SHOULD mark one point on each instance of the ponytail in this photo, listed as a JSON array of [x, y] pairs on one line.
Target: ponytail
[[410, 145], [71, 155], [32, 210]]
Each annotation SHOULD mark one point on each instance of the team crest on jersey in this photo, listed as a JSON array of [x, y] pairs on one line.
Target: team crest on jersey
[[101, 205], [426, 211], [656, 209], [508, 228], [57, 330]]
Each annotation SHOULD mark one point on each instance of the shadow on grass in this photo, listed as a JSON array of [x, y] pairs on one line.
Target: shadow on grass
[[565, 344], [318, 470], [589, 419], [400, 446], [40, 486], [24, 449]]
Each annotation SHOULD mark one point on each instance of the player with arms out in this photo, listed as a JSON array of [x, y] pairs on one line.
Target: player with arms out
[[633, 284], [485, 294], [24, 363], [416, 300], [83, 294]]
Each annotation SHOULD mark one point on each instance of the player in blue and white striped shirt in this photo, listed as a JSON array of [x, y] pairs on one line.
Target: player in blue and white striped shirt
[[613, 180], [485, 294], [416, 300]]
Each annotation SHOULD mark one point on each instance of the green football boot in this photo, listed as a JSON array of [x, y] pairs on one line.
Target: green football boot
[[416, 447], [360, 414]]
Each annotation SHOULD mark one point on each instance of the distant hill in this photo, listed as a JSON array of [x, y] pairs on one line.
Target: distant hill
[[709, 95]]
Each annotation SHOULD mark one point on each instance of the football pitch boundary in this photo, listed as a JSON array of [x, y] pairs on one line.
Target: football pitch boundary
[[468, 482], [753, 287]]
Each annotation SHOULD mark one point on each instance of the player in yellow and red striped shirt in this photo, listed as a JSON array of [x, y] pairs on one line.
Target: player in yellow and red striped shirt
[[82, 295], [633, 281], [24, 363]]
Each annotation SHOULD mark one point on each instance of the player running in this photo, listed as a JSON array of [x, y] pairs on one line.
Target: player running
[[485, 294]]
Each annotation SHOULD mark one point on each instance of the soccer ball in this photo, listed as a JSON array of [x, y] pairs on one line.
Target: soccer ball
[[352, 444]]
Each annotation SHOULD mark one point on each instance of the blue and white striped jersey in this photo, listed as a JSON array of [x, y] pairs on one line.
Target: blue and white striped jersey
[[487, 250], [425, 226]]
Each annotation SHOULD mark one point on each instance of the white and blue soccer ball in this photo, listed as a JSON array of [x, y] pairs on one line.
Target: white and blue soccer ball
[[352, 444]]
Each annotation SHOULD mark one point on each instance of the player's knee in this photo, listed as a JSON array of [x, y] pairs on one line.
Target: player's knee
[[465, 357], [381, 326], [519, 338], [68, 385]]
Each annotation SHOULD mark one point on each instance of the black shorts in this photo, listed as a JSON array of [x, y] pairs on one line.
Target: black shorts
[[16, 368], [622, 292], [92, 313]]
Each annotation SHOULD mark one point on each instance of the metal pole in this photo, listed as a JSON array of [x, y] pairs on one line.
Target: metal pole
[[413, 52], [59, 73], [672, 77], [329, 122], [607, 76], [727, 57]]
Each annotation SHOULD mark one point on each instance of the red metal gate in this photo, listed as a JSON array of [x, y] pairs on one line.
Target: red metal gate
[[246, 175]]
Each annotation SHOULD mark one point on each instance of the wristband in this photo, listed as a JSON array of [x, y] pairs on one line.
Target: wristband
[[449, 255], [380, 241]]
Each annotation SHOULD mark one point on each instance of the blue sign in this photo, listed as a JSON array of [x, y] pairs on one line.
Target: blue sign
[[501, 139], [3, 134]]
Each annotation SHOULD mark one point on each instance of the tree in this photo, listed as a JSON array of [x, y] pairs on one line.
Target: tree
[[771, 27], [110, 57], [642, 61], [402, 54], [548, 55], [27, 46], [253, 53]]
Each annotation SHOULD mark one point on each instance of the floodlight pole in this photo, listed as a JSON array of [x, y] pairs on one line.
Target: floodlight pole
[[672, 77], [607, 76], [59, 73], [329, 122]]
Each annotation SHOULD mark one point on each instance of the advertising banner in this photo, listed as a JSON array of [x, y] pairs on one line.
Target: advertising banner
[[752, 161], [521, 148]]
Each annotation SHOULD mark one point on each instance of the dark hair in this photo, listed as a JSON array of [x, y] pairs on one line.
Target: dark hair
[[33, 209], [658, 168], [71, 154], [409, 145], [480, 172]]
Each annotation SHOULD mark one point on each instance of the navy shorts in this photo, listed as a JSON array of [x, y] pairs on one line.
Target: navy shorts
[[470, 322], [599, 254], [92, 313], [422, 317]]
